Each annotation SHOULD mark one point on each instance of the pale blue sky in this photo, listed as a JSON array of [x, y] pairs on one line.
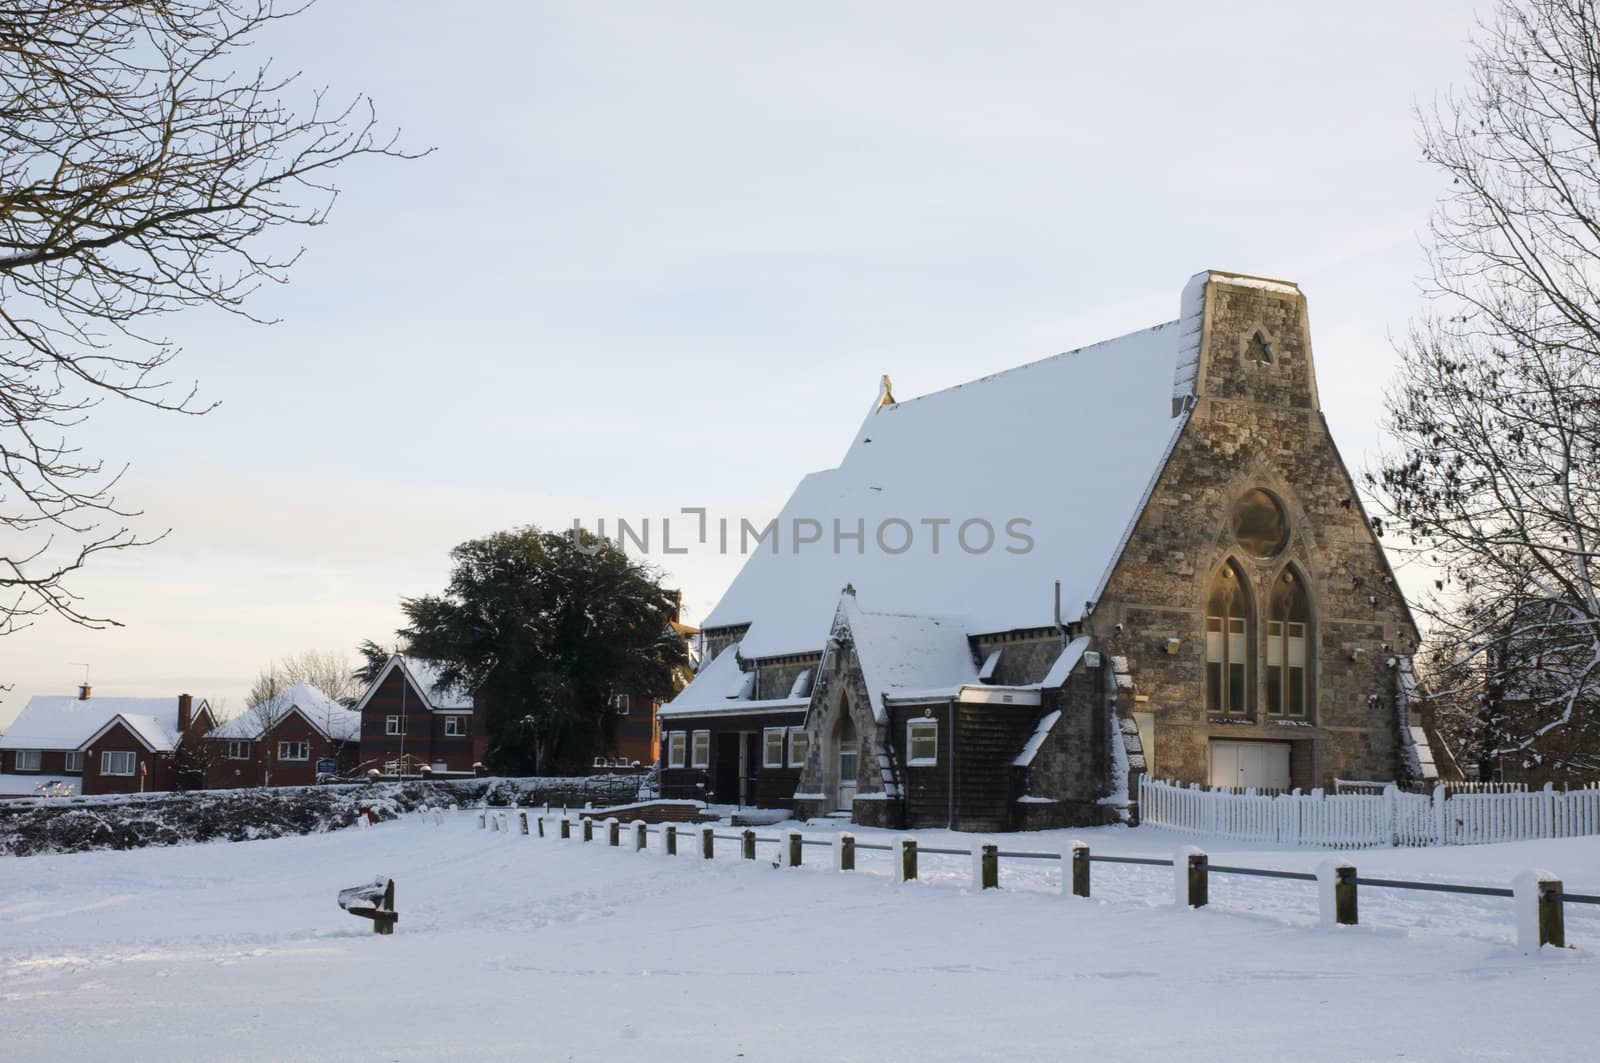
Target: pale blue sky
[[663, 252]]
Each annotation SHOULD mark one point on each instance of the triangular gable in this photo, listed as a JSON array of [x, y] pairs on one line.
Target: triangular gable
[[432, 697], [902, 653], [127, 725]]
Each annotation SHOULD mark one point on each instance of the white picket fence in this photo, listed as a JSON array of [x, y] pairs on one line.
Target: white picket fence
[[1365, 820]]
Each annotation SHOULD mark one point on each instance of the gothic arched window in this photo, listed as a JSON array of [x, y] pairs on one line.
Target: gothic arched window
[[1228, 624], [1288, 657]]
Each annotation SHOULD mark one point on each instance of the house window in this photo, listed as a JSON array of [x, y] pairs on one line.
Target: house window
[[922, 743], [116, 762], [799, 747], [772, 750], [294, 751], [1228, 664], [27, 760], [455, 726], [621, 703], [238, 750], [72, 762], [700, 750], [394, 725], [677, 747], [1288, 687]]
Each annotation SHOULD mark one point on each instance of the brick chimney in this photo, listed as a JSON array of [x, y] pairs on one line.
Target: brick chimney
[[185, 708], [83, 692]]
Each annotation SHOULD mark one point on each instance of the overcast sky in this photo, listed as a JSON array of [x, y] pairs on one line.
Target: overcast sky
[[662, 253]]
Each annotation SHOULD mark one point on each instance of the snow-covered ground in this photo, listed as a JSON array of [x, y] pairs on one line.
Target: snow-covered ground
[[513, 947]]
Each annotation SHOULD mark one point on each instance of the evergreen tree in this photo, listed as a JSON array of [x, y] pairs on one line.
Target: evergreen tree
[[544, 628]]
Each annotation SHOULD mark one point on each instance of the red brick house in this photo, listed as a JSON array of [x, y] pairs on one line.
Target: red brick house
[[410, 721], [287, 740], [114, 745]]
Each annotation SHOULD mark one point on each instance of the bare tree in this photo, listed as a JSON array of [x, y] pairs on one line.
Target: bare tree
[[1495, 474], [144, 161], [327, 670]]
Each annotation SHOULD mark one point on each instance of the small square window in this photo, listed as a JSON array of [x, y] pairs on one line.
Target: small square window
[[621, 703], [677, 749], [799, 747], [772, 750], [700, 750], [294, 751], [72, 762], [922, 743], [455, 726], [238, 750], [27, 760], [394, 725]]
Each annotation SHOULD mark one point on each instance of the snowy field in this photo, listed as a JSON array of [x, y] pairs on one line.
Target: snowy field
[[513, 947]]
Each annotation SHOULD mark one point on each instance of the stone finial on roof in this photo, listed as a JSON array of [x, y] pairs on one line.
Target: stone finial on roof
[[886, 392], [850, 589]]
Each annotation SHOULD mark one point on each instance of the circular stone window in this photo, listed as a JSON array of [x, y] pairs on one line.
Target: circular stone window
[[1259, 523]]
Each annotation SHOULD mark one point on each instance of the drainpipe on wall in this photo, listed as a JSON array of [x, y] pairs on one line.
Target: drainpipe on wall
[[950, 730], [1061, 627]]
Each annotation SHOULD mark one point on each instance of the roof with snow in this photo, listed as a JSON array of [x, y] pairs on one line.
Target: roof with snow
[[902, 654], [721, 686], [1067, 448], [331, 719], [424, 676], [65, 721]]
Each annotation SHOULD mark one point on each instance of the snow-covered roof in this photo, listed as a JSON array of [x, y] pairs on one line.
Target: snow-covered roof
[[424, 676], [722, 686], [899, 653], [331, 719], [65, 721], [1069, 446]]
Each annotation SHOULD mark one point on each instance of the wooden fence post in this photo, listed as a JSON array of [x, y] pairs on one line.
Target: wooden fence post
[[845, 851], [641, 836], [1078, 873], [613, 832], [794, 848], [523, 819], [707, 841], [1540, 919], [566, 827], [588, 828], [748, 844], [1190, 869], [541, 825], [670, 832], [1336, 892], [908, 859], [987, 866], [483, 819]]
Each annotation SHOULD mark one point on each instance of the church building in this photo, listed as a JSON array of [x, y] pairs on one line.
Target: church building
[[1015, 596]]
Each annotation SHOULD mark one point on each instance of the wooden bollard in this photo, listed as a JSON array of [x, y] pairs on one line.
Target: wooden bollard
[[613, 832], [794, 848], [1344, 895], [566, 827], [670, 833], [1192, 870], [989, 866], [748, 844], [588, 828], [1078, 873], [1540, 919], [541, 825], [908, 859], [641, 836], [845, 849], [708, 841], [523, 818]]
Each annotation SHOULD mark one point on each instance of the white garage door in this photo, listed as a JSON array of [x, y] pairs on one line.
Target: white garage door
[[1264, 765]]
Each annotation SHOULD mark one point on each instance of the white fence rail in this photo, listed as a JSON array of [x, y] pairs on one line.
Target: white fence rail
[[1364, 820]]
